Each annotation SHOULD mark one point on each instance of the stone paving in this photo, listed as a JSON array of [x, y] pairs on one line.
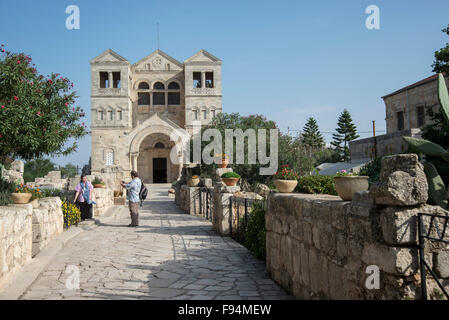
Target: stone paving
[[171, 255]]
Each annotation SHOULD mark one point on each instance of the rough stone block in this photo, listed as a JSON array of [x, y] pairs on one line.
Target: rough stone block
[[402, 181], [393, 260], [441, 264]]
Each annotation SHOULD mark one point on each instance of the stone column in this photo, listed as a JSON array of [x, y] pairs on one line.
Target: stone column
[[110, 78], [203, 80], [134, 157]]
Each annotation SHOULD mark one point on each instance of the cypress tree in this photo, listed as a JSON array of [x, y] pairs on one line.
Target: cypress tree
[[346, 131], [311, 135]]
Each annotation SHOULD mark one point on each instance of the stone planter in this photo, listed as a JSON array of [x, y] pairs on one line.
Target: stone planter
[[224, 163], [193, 182], [21, 198], [35, 203], [285, 186], [346, 186], [230, 182], [99, 185]]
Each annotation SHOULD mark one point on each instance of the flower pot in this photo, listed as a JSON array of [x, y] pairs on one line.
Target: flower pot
[[230, 182], [99, 185], [346, 186], [224, 163], [35, 203], [193, 182], [21, 198], [285, 186]]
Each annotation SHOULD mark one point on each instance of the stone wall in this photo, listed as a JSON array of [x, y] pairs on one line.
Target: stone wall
[[15, 239], [14, 173], [48, 223], [386, 144], [319, 246], [104, 199]]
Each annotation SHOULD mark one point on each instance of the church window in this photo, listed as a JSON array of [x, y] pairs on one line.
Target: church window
[[209, 79], [400, 119], [143, 98], [159, 86], [213, 114], [109, 158], [116, 79], [420, 115], [159, 145], [204, 114], [110, 115], [100, 115], [104, 80], [158, 98], [197, 80], [174, 98], [144, 86], [195, 114], [119, 115], [168, 66]]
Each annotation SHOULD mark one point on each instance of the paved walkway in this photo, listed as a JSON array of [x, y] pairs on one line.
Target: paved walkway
[[171, 255]]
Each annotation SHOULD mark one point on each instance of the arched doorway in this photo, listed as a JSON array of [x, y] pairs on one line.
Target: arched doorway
[[153, 162]]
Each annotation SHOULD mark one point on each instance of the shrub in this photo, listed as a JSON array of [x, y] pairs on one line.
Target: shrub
[[372, 170], [316, 184], [255, 236], [72, 214], [98, 181], [230, 175], [5, 189]]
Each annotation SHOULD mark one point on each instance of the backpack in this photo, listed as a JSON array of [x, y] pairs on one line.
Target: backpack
[[143, 193]]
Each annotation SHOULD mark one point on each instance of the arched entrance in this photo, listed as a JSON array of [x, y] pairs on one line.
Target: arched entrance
[[153, 163]]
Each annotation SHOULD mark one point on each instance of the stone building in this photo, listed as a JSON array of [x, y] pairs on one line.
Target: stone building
[[135, 108], [405, 114]]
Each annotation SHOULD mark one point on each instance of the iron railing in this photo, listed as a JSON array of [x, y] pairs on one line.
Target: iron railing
[[239, 212], [436, 233], [206, 203]]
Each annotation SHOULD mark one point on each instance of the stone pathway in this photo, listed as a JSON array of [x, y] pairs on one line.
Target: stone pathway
[[171, 255]]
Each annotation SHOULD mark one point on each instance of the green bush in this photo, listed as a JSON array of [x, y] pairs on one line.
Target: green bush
[[230, 175], [5, 189], [316, 183], [372, 170], [255, 236]]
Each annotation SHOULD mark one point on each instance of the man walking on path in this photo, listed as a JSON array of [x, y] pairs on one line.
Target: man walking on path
[[132, 195]]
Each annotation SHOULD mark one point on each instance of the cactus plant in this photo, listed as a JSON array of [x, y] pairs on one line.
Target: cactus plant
[[437, 190]]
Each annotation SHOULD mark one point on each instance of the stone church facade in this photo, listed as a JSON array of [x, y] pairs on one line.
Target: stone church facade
[[135, 108]]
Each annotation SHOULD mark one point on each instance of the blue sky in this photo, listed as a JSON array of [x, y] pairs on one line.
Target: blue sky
[[287, 60]]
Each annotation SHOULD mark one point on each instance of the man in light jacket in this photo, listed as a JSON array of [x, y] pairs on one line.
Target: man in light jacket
[[132, 195]]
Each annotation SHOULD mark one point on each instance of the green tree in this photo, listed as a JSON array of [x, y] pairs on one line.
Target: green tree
[[441, 63], [346, 131], [69, 171], [37, 168], [37, 115], [311, 135]]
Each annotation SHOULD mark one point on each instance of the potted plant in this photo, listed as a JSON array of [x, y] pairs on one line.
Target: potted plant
[[346, 184], [36, 194], [98, 183], [230, 178], [21, 195], [224, 160], [286, 179], [193, 181]]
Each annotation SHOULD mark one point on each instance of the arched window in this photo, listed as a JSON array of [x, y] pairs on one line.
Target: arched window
[[158, 96], [144, 86], [143, 98], [109, 157], [174, 94], [159, 86], [159, 145], [173, 86]]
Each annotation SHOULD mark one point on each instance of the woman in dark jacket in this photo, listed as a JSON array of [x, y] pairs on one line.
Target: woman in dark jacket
[[83, 198]]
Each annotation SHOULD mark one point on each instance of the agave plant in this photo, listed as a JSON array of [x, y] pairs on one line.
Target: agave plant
[[437, 190]]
